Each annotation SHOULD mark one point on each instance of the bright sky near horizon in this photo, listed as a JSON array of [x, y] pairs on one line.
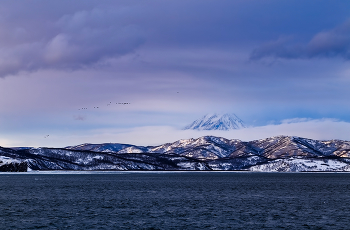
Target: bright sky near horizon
[[152, 67]]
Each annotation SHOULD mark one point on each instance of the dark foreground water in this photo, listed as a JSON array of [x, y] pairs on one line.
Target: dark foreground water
[[182, 200]]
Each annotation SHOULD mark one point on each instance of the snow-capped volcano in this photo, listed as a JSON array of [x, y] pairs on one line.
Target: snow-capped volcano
[[217, 122]]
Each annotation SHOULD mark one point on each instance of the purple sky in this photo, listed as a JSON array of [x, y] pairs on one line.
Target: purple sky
[[283, 67]]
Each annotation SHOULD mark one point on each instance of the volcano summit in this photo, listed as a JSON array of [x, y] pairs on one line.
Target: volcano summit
[[217, 122]]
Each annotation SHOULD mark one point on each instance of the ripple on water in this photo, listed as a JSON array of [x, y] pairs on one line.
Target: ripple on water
[[175, 201]]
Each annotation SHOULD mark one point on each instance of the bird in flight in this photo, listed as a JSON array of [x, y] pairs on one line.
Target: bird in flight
[[108, 104]]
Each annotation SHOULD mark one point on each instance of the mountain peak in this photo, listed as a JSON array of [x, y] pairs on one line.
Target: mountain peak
[[217, 122]]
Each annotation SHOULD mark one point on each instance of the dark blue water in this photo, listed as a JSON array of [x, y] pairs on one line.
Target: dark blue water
[[189, 200]]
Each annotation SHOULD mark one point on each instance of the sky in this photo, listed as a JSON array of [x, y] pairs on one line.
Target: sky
[[283, 67]]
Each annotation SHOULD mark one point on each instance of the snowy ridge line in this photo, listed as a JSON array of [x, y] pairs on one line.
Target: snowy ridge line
[[281, 153]]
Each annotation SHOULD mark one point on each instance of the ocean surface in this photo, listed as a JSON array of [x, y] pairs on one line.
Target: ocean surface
[[174, 200]]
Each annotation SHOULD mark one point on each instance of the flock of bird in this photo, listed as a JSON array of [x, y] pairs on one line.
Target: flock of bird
[[109, 104], [96, 107]]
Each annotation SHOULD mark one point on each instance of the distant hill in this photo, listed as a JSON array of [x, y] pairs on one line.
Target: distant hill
[[274, 154], [217, 122]]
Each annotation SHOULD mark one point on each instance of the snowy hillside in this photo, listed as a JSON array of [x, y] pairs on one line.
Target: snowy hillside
[[217, 122], [275, 154]]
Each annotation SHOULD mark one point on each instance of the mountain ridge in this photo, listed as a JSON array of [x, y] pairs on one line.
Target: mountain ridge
[[274, 154]]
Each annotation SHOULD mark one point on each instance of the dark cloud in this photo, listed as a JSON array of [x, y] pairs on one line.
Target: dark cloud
[[327, 44], [41, 34], [71, 41]]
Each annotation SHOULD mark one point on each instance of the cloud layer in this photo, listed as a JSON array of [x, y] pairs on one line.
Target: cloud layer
[[327, 44], [73, 41], [324, 129]]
